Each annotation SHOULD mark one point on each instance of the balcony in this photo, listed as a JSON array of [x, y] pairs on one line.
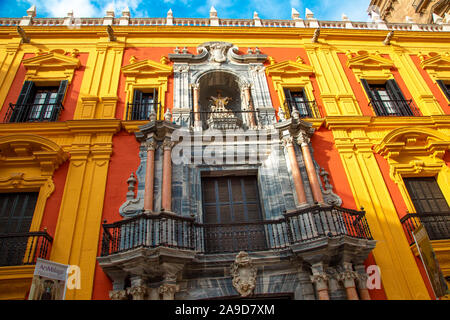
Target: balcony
[[306, 109], [142, 111], [232, 119], [183, 233], [33, 112], [394, 108], [437, 225], [24, 248]]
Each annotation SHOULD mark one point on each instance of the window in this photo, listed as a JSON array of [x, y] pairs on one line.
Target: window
[[387, 99], [232, 210], [38, 103], [430, 205], [296, 100], [144, 103], [445, 87], [16, 213]]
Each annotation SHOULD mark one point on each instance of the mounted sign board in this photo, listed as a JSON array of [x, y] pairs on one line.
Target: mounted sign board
[[430, 262], [49, 281]]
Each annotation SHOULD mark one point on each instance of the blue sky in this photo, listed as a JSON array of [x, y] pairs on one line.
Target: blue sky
[[239, 9]]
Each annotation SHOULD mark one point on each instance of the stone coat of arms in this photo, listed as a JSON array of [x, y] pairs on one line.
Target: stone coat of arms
[[244, 274]]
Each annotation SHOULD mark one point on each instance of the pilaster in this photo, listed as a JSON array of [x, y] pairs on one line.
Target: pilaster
[[417, 86], [77, 233], [401, 277], [10, 60], [335, 89], [98, 93]]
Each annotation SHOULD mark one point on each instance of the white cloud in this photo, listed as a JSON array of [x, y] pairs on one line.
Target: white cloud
[[269, 9], [81, 8]]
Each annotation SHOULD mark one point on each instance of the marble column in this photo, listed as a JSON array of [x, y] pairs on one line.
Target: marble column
[[310, 169], [347, 277], [296, 175], [167, 290], [138, 292], [320, 279], [196, 107], [321, 283], [248, 100], [150, 176], [118, 295], [138, 289], [153, 294], [166, 201], [361, 282]]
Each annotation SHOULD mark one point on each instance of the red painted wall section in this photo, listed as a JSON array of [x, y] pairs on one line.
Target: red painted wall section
[[73, 91], [328, 158], [141, 54], [124, 161], [15, 88], [400, 206], [357, 88], [70, 100], [437, 93], [53, 204]]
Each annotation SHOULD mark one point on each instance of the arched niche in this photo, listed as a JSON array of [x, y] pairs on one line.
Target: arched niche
[[227, 83]]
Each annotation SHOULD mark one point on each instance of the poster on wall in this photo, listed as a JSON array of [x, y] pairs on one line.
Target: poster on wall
[[430, 262], [49, 281]]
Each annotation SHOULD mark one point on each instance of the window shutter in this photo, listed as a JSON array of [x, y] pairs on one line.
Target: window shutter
[[137, 97], [375, 100], [26, 94], [444, 88], [396, 94], [62, 91], [288, 99], [137, 101]]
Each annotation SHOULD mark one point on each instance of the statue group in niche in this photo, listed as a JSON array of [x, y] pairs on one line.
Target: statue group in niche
[[218, 106]]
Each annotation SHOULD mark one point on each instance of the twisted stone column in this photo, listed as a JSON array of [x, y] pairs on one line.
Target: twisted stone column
[[150, 176], [166, 201], [296, 175], [310, 169]]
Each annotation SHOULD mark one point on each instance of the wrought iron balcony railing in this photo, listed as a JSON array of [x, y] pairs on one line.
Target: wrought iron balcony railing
[[232, 119], [437, 225], [169, 230], [395, 108], [33, 112], [24, 248], [142, 111], [306, 109]]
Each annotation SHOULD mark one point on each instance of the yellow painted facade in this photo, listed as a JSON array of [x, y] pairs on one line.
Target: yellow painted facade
[[412, 146]]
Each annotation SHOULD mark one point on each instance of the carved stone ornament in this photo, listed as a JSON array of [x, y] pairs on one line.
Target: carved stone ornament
[[218, 52], [118, 295], [244, 274]]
